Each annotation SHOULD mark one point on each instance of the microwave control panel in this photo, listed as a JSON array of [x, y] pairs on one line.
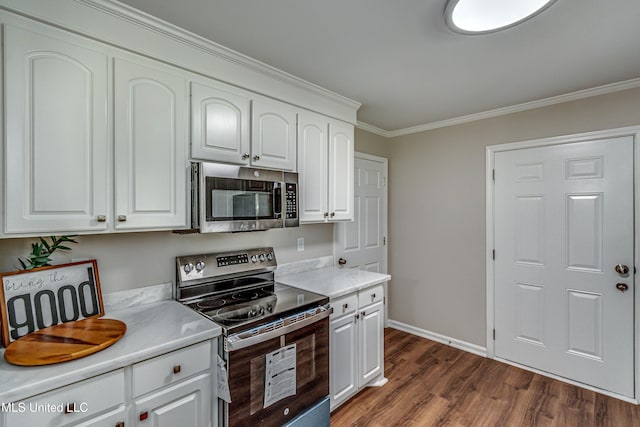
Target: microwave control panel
[[292, 203]]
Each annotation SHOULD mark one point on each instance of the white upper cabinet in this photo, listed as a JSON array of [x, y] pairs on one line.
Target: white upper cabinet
[[273, 131], [325, 168], [57, 156], [150, 122], [341, 158], [220, 123], [233, 126], [313, 170]]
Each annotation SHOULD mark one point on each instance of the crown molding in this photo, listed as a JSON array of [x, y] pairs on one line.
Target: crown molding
[[573, 96], [373, 129], [139, 18]]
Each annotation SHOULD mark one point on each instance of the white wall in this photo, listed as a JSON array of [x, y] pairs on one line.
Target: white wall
[[437, 208], [133, 260]]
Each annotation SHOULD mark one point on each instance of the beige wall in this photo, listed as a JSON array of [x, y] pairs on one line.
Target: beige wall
[[437, 209], [134, 260], [370, 143]]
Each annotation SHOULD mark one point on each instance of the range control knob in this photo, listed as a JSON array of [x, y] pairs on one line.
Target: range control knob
[[262, 257], [199, 265], [188, 268], [254, 258], [270, 256]]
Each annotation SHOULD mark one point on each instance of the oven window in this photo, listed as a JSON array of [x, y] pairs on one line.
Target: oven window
[[231, 199]]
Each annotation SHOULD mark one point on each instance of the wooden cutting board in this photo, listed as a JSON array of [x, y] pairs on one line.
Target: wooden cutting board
[[64, 342]]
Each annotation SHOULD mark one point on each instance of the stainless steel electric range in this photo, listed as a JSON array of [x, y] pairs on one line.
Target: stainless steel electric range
[[275, 338]]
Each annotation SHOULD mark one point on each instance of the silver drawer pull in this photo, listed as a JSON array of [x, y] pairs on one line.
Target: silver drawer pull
[[101, 218], [373, 296], [344, 307], [177, 369], [122, 218]]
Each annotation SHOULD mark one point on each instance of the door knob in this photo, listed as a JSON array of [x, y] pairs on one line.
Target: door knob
[[622, 269], [342, 261], [622, 287]]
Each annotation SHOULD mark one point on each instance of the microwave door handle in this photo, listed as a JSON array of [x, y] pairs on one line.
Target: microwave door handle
[[277, 200]]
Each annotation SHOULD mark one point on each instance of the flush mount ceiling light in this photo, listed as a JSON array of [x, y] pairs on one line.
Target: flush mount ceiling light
[[487, 16]]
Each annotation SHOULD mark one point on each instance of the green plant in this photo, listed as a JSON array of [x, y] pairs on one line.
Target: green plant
[[41, 251]]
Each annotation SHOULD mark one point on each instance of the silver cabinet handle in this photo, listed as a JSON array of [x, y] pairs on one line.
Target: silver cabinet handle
[[101, 218], [326, 214], [345, 306], [177, 369], [373, 296], [256, 157], [246, 156], [122, 218], [333, 214]]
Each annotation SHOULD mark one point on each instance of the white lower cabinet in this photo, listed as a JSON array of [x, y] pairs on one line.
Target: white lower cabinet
[[173, 389], [187, 403], [356, 343]]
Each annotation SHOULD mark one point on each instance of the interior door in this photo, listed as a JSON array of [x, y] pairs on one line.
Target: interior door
[[563, 222], [362, 242]]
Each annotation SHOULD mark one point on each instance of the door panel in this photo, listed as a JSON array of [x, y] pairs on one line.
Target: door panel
[[362, 241], [220, 124], [57, 153], [151, 147], [563, 220]]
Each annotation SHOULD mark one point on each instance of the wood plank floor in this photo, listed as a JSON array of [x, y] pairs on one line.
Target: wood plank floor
[[431, 384]]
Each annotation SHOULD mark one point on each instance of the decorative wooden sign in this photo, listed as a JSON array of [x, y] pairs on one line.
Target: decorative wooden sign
[[47, 296]]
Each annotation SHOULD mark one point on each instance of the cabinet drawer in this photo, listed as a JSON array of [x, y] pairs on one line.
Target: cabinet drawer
[[370, 295], [344, 305], [81, 400], [171, 367]]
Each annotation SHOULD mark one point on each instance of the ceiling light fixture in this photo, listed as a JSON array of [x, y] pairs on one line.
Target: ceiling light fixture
[[487, 16]]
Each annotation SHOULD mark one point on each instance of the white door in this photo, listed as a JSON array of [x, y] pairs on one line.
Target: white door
[[341, 164], [273, 134], [343, 341], [563, 221], [371, 336], [313, 149], [220, 124], [57, 152], [362, 242], [150, 113]]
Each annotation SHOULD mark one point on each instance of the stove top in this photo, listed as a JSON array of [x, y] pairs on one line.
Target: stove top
[[237, 289]]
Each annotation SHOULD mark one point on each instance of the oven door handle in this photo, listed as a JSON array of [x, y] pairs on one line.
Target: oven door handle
[[237, 342]]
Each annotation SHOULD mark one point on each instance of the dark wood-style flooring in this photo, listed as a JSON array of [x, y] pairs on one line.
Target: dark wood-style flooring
[[431, 384]]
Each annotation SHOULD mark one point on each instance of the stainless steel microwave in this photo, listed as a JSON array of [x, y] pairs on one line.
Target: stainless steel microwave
[[227, 198]]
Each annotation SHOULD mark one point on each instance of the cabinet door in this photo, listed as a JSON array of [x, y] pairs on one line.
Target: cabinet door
[[186, 404], [57, 154], [273, 132], [313, 148], [150, 146], [220, 124], [343, 341], [371, 336], [340, 171]]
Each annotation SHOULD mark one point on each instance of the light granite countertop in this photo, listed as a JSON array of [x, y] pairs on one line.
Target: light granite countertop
[[333, 281], [152, 329]]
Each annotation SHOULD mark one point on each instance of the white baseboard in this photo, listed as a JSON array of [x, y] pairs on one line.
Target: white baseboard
[[459, 344]]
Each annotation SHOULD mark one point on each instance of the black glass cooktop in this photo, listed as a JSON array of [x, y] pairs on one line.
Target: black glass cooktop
[[239, 311]]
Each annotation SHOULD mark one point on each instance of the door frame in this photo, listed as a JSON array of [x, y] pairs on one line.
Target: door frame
[[490, 151]]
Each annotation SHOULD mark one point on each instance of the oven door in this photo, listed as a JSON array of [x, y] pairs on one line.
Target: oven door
[[264, 391]]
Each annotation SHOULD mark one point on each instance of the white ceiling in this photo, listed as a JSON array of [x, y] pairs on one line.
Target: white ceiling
[[406, 67]]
